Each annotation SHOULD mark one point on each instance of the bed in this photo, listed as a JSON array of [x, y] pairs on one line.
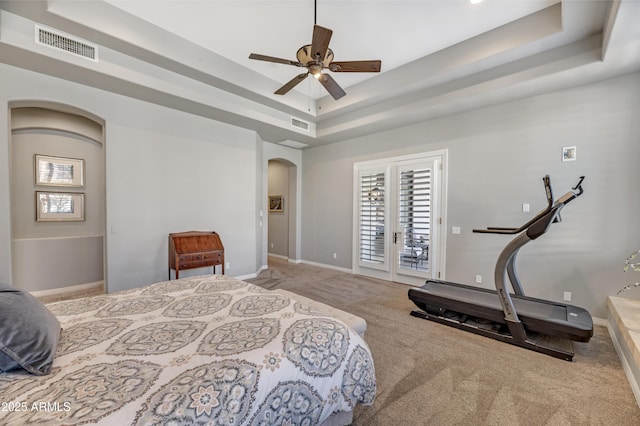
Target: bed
[[200, 350]]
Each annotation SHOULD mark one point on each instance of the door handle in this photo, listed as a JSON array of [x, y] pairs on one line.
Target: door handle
[[395, 237]]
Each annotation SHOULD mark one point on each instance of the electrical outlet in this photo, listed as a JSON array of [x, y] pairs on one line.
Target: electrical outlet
[[526, 207], [271, 245], [478, 279], [455, 230], [335, 255], [567, 296], [227, 265]]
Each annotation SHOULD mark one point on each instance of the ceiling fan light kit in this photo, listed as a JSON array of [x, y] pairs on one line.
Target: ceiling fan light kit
[[317, 57]]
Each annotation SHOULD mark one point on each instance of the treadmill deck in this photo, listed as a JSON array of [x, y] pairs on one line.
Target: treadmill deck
[[538, 315]]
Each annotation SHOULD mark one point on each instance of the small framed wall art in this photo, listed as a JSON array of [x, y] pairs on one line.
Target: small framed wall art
[[59, 171], [569, 153], [276, 203], [59, 206]]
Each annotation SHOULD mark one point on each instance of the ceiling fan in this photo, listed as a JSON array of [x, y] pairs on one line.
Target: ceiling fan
[[316, 57]]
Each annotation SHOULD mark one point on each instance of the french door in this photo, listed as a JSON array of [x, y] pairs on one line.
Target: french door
[[398, 218]]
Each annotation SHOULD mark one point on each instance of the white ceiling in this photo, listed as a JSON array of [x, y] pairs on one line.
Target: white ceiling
[[396, 31], [438, 56]]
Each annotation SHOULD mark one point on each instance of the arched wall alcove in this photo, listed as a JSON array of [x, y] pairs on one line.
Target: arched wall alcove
[[57, 197]]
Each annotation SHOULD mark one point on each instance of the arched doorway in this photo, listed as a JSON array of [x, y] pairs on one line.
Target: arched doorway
[[282, 209]]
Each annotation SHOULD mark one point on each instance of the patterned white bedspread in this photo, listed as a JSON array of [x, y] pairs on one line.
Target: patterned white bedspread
[[201, 350]]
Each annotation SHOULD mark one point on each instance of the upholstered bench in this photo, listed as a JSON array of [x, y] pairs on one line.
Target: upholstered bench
[[354, 322]]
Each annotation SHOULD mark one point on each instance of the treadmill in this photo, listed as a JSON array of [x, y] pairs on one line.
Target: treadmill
[[514, 318]]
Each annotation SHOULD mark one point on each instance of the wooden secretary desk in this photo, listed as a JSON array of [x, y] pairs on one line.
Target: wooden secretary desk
[[189, 250]]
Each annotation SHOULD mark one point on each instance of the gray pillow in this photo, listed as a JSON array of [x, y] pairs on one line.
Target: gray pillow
[[29, 332]]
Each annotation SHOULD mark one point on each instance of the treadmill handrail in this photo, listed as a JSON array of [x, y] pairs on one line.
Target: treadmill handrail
[[507, 257], [510, 231]]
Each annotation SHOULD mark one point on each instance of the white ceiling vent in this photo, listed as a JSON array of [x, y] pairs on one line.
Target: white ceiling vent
[[66, 43], [299, 124], [294, 144]]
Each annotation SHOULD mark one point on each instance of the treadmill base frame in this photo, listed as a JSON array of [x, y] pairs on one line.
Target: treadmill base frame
[[523, 342]]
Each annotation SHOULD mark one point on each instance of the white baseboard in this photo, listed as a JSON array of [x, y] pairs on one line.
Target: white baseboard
[[277, 256], [308, 262], [324, 265], [246, 277], [66, 290], [254, 275]]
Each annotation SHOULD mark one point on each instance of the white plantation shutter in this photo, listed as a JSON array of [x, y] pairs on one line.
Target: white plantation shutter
[[372, 214], [415, 214]]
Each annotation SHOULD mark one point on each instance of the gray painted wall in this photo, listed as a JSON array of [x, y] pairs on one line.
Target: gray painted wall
[[166, 171], [497, 157]]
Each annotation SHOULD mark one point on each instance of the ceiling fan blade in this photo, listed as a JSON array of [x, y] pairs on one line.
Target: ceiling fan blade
[[356, 66], [291, 84], [272, 59], [320, 42], [332, 87]]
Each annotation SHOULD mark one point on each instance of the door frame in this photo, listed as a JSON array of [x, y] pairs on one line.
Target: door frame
[[386, 271]]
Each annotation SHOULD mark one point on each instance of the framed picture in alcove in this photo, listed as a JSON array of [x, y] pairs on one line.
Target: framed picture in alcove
[[59, 206], [276, 203], [59, 171]]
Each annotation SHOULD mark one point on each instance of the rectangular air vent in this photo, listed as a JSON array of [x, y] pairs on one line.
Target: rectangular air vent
[[293, 144], [299, 124], [66, 43]]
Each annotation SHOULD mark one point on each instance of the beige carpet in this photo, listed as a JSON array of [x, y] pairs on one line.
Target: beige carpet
[[430, 374]]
